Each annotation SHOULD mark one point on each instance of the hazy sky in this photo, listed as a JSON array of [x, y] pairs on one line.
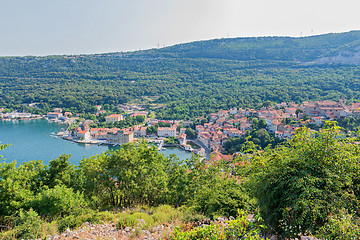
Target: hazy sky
[[44, 27]]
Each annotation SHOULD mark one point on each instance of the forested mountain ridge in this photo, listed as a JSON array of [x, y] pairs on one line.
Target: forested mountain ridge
[[302, 49], [191, 79]]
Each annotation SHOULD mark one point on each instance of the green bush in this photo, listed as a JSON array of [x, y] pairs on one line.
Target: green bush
[[191, 215], [341, 226], [240, 228], [214, 192], [301, 186], [166, 213], [78, 217], [152, 217], [57, 201], [124, 220], [149, 221], [29, 225]]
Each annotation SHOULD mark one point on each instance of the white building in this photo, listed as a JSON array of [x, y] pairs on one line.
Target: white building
[[166, 132], [233, 111], [54, 115], [114, 118], [84, 135], [120, 136]]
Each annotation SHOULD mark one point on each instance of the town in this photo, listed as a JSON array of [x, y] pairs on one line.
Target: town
[[208, 134]]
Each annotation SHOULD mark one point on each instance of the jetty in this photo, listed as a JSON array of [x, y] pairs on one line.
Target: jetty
[[161, 145]]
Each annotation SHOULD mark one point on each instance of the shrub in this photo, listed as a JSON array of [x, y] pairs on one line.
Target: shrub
[[78, 217], [165, 213], [191, 215], [29, 225], [304, 183], [240, 228], [149, 221], [57, 201], [124, 220], [341, 226]]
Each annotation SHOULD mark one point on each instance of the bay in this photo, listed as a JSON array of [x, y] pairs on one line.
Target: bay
[[36, 140]]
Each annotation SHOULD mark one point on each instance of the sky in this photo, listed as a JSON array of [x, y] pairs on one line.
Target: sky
[[57, 27]]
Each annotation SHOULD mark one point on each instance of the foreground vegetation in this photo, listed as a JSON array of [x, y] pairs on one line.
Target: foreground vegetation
[[310, 185]]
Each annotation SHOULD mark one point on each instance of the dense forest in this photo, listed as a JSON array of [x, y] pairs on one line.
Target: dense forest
[[190, 80], [310, 185]]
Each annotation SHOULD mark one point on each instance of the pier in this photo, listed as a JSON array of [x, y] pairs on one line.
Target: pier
[[161, 145]]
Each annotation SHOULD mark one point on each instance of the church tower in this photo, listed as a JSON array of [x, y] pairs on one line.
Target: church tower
[[342, 101]]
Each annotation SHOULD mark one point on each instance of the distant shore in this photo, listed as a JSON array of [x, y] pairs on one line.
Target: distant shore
[[21, 118]]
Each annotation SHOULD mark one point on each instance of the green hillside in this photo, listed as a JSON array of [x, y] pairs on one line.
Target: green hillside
[[268, 48], [191, 79]]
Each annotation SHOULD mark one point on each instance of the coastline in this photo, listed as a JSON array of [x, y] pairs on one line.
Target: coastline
[[65, 135], [21, 118]]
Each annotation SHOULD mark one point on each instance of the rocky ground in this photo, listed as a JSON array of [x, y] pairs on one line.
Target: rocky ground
[[109, 231]]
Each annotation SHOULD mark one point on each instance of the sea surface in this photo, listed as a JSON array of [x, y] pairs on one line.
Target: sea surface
[[37, 140]]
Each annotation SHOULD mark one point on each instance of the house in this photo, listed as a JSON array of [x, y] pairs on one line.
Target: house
[[279, 134], [293, 105], [139, 114], [166, 132], [291, 111], [236, 133], [281, 105], [187, 123], [67, 114], [274, 126], [200, 152], [120, 136], [99, 133], [111, 135], [233, 111], [220, 121], [100, 136], [84, 135], [226, 130], [216, 156], [223, 113], [317, 120], [199, 128], [326, 108], [182, 138], [54, 115], [143, 131], [139, 131], [182, 130], [114, 118], [245, 126], [204, 138], [58, 110], [213, 117]]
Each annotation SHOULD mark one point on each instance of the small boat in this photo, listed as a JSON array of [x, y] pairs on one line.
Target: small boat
[[163, 149]]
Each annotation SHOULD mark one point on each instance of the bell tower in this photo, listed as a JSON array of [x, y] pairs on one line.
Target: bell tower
[[342, 101]]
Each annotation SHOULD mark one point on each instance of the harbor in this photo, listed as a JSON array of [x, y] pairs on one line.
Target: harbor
[[38, 140]]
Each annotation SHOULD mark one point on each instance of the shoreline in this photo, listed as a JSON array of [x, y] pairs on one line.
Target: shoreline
[[91, 142], [21, 119]]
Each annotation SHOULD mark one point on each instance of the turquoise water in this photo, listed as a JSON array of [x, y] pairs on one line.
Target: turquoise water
[[178, 152], [35, 140]]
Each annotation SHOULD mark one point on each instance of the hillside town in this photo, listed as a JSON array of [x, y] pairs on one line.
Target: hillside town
[[211, 132], [235, 122]]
